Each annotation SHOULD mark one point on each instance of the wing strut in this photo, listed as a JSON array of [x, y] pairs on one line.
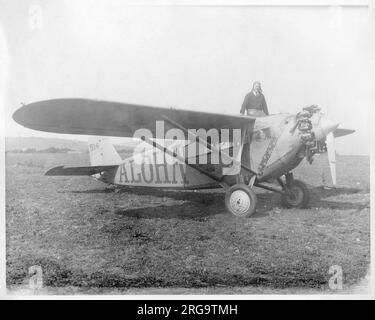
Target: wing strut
[[209, 145]]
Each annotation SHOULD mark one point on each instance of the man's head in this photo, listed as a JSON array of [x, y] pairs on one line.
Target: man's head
[[257, 86]]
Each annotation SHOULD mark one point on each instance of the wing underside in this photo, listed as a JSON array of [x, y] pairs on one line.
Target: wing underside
[[104, 118]]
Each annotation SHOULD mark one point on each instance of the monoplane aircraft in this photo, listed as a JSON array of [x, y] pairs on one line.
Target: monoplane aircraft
[[182, 149]]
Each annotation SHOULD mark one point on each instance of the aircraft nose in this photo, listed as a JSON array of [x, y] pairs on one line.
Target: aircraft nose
[[323, 127]]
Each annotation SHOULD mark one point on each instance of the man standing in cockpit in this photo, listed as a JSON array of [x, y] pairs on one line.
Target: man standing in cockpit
[[254, 103]]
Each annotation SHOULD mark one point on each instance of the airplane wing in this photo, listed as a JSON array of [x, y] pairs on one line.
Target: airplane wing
[[78, 171], [104, 118]]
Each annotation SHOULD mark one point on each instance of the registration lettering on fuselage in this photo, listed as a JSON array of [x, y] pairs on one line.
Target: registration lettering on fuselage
[[155, 173]]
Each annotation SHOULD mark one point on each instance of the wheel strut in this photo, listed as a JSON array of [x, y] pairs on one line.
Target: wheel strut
[[289, 179]]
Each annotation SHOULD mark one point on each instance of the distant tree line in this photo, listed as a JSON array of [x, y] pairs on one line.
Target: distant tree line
[[47, 150]]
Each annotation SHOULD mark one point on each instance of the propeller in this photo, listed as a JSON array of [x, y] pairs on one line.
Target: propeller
[[325, 130], [330, 143], [332, 131], [331, 151]]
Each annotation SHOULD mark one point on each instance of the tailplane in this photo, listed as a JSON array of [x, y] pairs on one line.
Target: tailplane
[[104, 159]]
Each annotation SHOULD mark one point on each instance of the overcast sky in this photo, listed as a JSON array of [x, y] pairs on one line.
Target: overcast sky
[[198, 58]]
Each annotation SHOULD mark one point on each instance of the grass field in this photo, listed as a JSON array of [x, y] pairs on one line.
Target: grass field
[[84, 235]]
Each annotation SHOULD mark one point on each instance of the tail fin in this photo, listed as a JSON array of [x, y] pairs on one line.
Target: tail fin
[[102, 152]]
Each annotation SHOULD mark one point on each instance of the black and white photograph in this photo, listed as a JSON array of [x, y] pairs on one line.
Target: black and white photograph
[[188, 149]]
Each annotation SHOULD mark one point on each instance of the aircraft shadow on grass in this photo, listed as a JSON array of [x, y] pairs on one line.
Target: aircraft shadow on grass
[[200, 205], [323, 198]]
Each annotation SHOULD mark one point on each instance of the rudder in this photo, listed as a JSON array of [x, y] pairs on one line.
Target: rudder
[[102, 152]]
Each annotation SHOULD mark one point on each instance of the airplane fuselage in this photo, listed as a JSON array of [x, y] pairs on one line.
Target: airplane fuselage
[[275, 148]]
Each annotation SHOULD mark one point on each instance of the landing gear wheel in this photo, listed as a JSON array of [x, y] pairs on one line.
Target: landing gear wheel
[[241, 200], [298, 196]]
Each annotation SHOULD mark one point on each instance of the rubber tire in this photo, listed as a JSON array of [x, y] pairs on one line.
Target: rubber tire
[[251, 197], [303, 196]]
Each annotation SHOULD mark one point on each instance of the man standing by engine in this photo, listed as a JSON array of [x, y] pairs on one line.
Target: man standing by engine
[[255, 103]]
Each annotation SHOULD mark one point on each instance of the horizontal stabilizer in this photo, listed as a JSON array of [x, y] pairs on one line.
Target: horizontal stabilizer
[[78, 171]]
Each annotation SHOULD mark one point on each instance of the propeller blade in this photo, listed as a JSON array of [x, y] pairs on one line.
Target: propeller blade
[[330, 141], [342, 132]]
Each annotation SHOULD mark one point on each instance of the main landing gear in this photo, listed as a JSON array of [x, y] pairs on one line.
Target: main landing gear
[[296, 194], [241, 200]]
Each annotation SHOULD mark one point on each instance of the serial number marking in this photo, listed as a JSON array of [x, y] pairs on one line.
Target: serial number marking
[[189, 309], [213, 309]]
